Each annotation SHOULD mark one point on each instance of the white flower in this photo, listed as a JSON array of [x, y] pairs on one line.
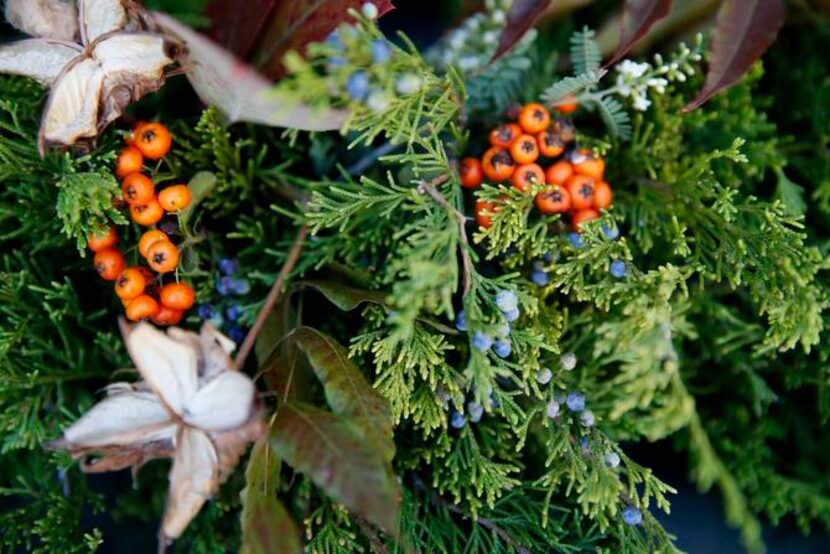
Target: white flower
[[658, 84], [498, 17], [191, 406], [641, 102], [632, 70], [457, 39], [97, 58]]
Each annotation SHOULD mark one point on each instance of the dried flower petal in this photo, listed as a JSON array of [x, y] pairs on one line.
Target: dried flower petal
[[44, 18], [99, 17], [40, 59], [193, 478]]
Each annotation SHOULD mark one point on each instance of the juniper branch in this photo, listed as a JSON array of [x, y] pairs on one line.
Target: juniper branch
[[428, 187]]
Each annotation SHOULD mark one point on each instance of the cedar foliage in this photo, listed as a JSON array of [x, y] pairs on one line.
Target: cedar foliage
[[713, 338]]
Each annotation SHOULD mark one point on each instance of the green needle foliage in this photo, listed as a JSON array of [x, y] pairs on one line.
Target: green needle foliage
[[389, 427]]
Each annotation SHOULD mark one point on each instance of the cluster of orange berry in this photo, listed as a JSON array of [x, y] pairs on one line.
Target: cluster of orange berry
[[140, 288], [573, 182]]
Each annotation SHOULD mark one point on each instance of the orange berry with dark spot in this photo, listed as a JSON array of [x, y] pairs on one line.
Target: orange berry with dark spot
[[130, 160], [175, 198], [148, 214], [524, 149], [137, 189], [582, 216], [109, 263], [107, 239], [526, 176], [553, 200], [588, 163], [163, 256], [167, 316], [558, 173], [471, 173], [602, 195], [130, 283], [505, 134], [142, 307], [569, 105], [178, 295], [153, 139], [149, 276], [581, 189], [497, 164], [550, 145], [147, 240], [534, 118]]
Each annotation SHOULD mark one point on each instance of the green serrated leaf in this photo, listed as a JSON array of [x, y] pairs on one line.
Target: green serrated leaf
[[336, 457], [348, 392], [585, 54], [266, 524]]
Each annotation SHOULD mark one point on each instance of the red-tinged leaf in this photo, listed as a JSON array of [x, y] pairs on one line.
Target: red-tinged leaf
[[237, 29], [295, 23], [638, 17], [744, 29], [523, 14], [266, 524], [347, 391], [337, 458], [237, 90]]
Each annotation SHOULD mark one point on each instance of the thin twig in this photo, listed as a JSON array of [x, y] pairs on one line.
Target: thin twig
[[428, 187], [377, 545], [487, 523], [273, 296]]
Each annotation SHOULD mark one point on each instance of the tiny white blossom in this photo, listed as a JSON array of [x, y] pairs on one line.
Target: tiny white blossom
[[658, 84], [641, 103], [499, 17], [457, 39], [490, 37], [632, 70]]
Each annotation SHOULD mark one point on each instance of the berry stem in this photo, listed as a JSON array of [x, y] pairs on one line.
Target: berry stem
[[273, 296]]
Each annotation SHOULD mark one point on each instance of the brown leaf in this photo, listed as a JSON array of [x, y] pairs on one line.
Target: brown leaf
[[237, 90], [336, 457], [638, 17], [295, 23], [266, 524], [237, 30], [523, 15], [347, 391], [744, 29]]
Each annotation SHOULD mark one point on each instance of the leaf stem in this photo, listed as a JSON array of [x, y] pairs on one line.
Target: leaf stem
[[273, 296]]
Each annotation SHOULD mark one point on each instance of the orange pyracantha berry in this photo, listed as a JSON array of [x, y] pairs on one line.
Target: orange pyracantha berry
[[558, 173], [587, 163], [153, 139], [504, 135], [130, 160], [147, 240], [163, 256], [109, 263], [582, 216], [177, 295], [550, 145], [148, 214], [142, 307], [553, 199], [526, 176], [534, 118], [167, 316], [175, 198], [107, 239], [568, 105], [524, 150], [581, 189], [130, 283], [602, 195], [471, 173], [137, 189], [497, 164]]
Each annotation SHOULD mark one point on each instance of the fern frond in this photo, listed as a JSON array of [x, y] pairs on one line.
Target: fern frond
[[615, 117], [572, 85], [585, 54]]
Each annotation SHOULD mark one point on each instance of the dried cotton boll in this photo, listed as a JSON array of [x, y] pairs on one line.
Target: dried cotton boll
[[44, 18]]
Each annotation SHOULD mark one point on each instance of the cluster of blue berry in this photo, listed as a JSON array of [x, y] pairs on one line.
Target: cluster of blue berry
[[508, 304], [371, 86], [618, 268], [225, 314], [575, 402], [474, 410]]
